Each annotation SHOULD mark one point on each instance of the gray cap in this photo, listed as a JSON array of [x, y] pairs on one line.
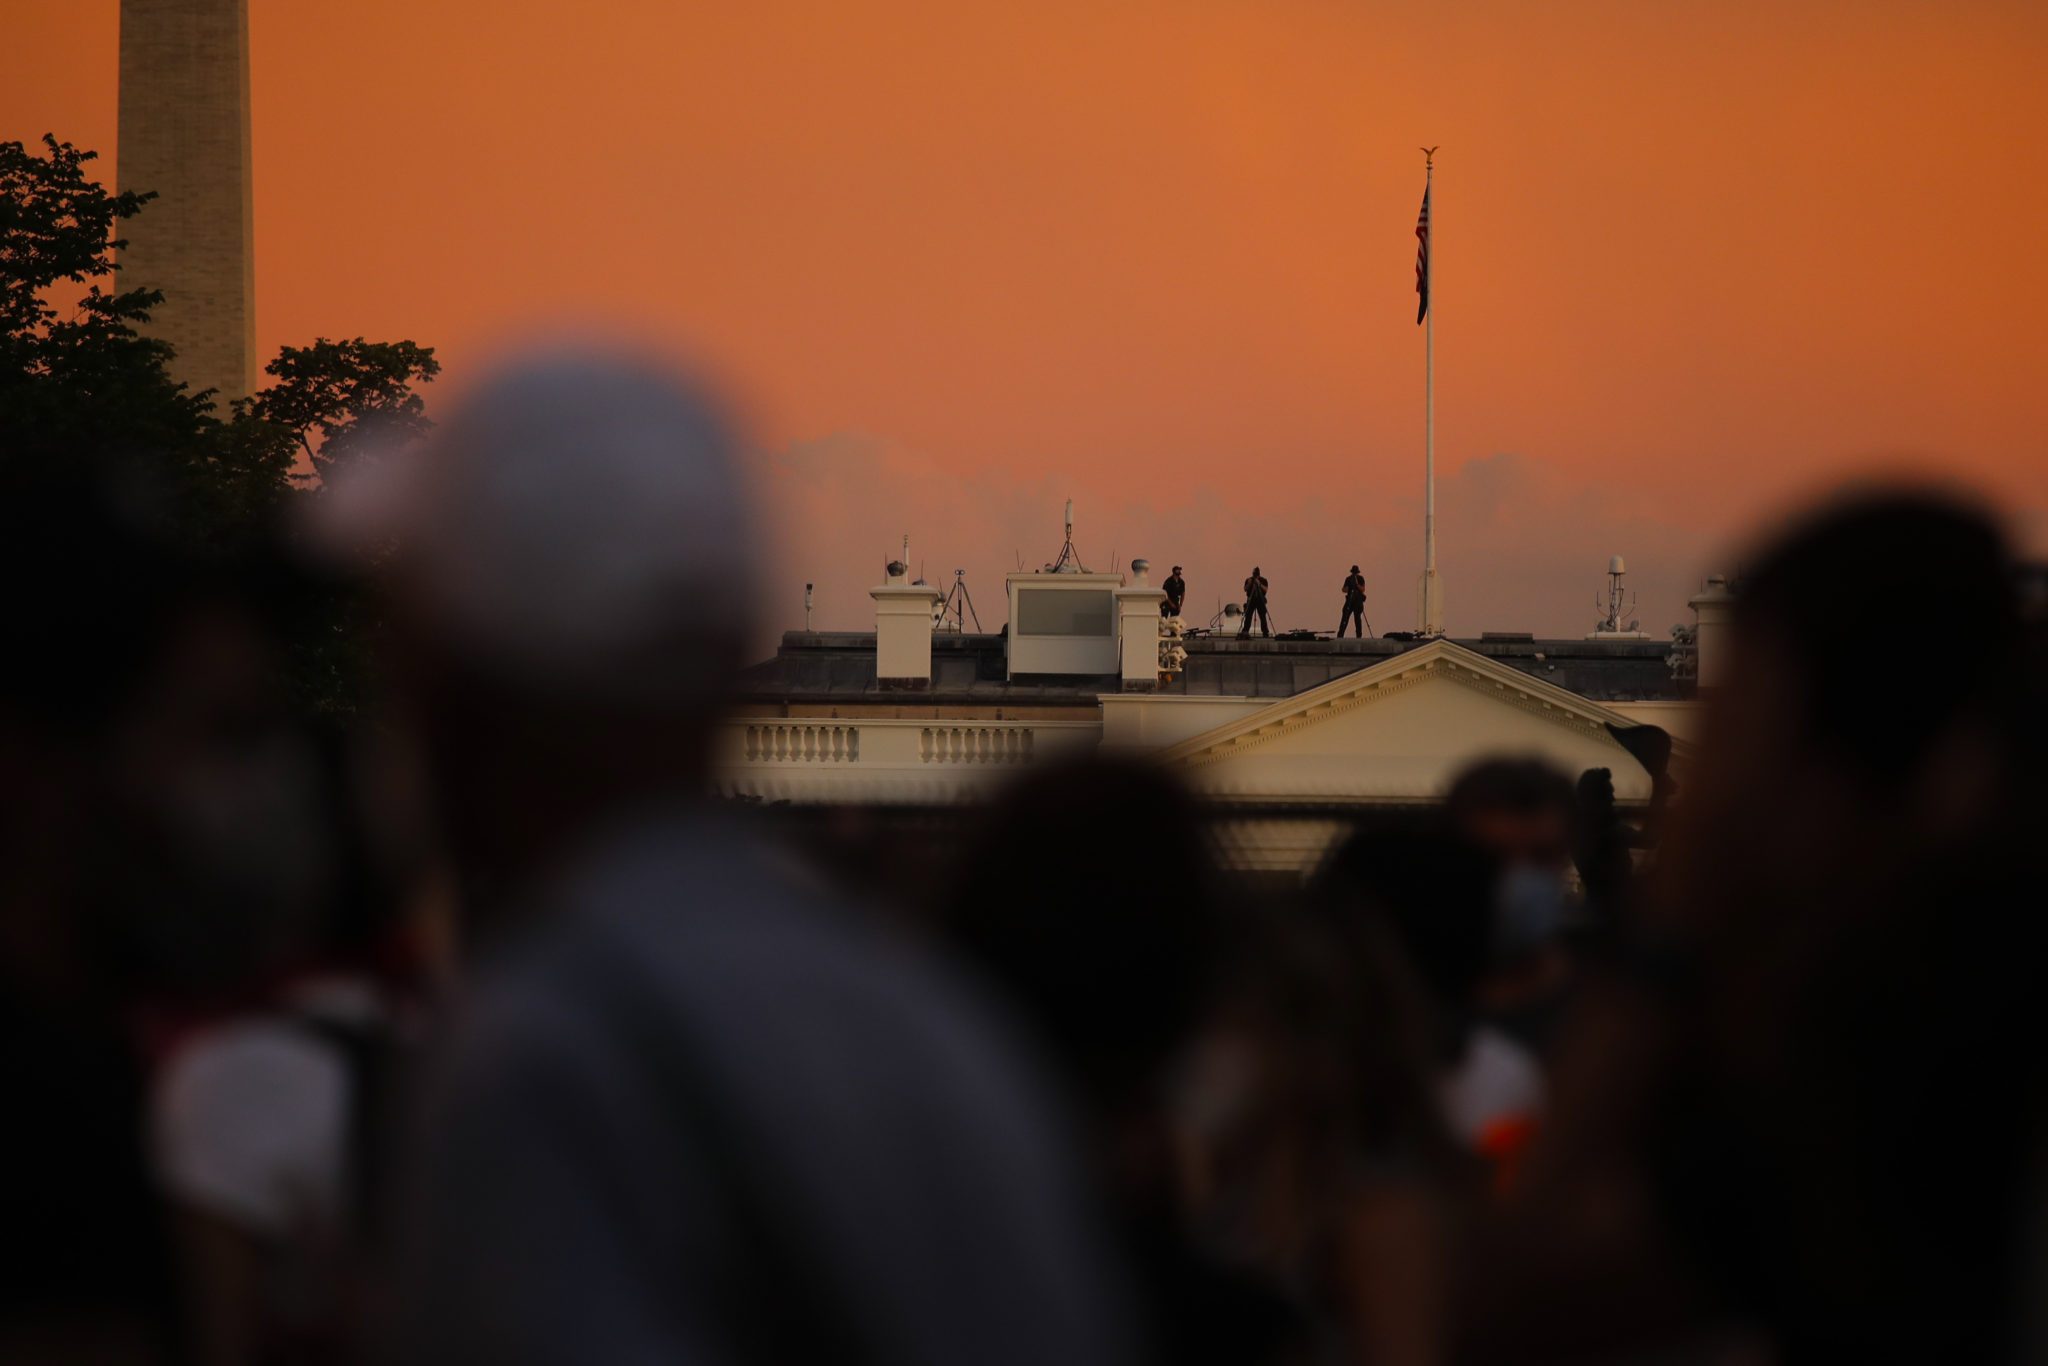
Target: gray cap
[[577, 522]]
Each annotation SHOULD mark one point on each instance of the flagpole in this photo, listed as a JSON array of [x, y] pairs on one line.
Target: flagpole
[[1432, 602]]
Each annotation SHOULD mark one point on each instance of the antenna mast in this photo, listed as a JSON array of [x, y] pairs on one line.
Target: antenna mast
[[1069, 561], [1618, 603]]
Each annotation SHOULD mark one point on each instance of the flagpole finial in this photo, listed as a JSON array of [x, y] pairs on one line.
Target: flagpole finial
[[1429, 155]]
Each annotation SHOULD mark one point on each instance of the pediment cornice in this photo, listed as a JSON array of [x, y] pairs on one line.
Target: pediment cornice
[[1439, 662]]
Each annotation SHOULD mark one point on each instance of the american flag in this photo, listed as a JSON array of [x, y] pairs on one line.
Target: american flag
[[1422, 259]]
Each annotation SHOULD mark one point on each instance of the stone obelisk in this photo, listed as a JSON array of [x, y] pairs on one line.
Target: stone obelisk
[[185, 134]]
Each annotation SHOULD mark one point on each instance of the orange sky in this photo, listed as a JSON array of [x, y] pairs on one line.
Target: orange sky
[[962, 261]]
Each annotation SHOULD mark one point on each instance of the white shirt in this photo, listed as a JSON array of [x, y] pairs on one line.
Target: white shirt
[[1497, 1079], [249, 1122]]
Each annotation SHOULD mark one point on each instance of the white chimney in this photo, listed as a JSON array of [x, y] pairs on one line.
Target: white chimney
[[903, 630], [1713, 610], [1137, 629]]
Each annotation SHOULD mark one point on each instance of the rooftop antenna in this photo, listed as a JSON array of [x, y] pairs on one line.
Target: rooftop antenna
[[1618, 601], [1069, 561], [807, 609]]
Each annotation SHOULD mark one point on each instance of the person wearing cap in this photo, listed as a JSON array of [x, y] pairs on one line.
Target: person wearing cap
[[1176, 593], [691, 1109], [1255, 603], [1354, 603]]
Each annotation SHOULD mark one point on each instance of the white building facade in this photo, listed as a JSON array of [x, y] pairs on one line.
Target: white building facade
[[1286, 740]]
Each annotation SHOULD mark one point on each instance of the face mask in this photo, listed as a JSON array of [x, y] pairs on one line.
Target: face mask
[[1529, 905]]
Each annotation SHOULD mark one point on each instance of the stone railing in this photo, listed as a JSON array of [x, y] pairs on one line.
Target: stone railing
[[974, 745], [800, 742], [885, 758]]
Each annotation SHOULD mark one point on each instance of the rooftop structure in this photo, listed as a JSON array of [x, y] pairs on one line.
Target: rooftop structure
[[1286, 738]]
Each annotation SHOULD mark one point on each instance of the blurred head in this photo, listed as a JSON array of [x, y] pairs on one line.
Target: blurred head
[[1089, 904], [1847, 879], [571, 581], [159, 809], [575, 528], [1433, 891], [1523, 813], [1409, 906], [1823, 760], [1520, 810]]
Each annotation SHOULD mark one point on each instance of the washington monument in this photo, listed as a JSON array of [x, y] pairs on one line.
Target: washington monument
[[184, 133]]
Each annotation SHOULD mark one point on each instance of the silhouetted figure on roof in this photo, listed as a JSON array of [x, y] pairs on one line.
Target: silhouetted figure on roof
[[1176, 593], [1255, 605], [1354, 603]]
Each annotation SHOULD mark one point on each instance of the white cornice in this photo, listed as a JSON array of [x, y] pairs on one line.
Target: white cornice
[[1438, 660]]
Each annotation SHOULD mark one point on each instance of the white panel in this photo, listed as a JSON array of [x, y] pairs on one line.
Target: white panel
[[1065, 612]]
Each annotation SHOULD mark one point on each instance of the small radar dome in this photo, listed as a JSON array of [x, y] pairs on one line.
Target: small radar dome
[[1615, 566]]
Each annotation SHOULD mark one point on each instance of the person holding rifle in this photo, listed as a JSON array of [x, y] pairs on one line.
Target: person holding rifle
[[1255, 602], [1354, 604]]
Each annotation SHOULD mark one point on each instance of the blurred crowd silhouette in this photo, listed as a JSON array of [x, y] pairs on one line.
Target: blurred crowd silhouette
[[469, 1029]]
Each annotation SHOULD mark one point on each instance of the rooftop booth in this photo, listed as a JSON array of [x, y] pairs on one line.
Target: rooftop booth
[[1063, 625]]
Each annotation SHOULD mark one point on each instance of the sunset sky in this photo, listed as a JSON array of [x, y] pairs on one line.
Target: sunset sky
[[959, 261]]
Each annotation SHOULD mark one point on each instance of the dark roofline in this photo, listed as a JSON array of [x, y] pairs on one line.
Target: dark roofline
[[825, 668], [1487, 642]]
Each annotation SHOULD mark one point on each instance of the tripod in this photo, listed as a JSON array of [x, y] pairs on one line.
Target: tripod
[[960, 604]]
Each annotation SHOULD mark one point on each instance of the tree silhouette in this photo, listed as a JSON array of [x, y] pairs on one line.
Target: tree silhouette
[[79, 381], [357, 395]]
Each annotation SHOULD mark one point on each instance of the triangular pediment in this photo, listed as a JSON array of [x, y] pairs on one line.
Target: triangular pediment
[[1402, 729]]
